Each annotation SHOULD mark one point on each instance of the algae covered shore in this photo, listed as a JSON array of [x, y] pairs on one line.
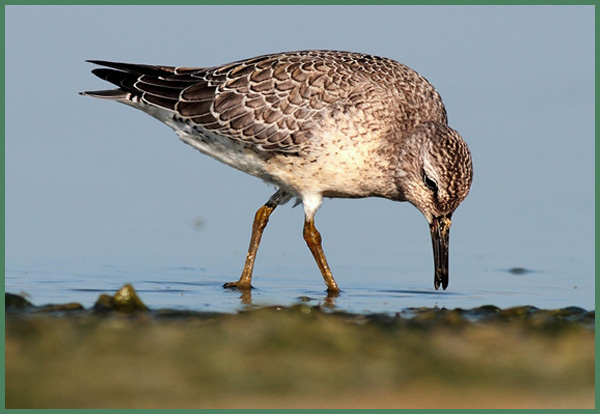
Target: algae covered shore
[[119, 354]]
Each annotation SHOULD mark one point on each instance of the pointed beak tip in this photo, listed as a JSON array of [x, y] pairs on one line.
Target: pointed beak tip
[[439, 281]]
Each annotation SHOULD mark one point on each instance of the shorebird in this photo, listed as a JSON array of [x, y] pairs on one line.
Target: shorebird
[[314, 124]]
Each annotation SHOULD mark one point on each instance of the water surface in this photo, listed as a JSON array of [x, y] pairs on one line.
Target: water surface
[[363, 290]]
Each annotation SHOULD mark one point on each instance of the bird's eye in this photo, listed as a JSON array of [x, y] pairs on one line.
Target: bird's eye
[[431, 184]]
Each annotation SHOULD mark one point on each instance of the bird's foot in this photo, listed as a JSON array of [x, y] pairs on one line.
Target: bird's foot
[[333, 293], [238, 285]]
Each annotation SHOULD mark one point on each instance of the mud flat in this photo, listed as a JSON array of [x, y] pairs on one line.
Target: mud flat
[[301, 356]]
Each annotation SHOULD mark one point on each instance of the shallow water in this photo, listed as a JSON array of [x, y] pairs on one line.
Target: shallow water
[[363, 290]]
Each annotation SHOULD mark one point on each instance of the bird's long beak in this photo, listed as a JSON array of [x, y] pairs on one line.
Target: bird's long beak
[[440, 237]]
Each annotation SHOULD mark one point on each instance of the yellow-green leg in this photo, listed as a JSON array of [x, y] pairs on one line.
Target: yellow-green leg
[[261, 219], [313, 240]]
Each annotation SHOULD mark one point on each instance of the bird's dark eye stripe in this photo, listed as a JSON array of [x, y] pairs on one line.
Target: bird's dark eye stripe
[[431, 184]]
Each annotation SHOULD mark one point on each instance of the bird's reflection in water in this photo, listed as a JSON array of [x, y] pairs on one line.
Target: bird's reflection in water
[[246, 297], [328, 301]]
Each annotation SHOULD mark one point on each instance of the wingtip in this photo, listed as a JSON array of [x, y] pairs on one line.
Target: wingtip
[[115, 94], [94, 62], [97, 61], [134, 68], [109, 64]]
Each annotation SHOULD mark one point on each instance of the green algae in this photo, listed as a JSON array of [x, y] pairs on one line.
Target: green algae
[[300, 356]]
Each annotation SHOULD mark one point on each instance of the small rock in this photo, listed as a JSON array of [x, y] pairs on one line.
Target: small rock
[[125, 300], [12, 301], [104, 304]]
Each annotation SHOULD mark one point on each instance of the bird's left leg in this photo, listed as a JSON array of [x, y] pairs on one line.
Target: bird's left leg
[[261, 218]]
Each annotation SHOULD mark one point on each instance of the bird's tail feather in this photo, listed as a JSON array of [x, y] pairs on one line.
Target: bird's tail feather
[[124, 76]]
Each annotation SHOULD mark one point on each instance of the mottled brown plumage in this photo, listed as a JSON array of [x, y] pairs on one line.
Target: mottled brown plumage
[[315, 124]]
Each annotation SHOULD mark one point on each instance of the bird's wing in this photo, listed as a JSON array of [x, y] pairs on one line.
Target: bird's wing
[[263, 102]]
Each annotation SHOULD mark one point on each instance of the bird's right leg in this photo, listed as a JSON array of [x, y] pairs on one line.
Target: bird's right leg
[[261, 218], [311, 203]]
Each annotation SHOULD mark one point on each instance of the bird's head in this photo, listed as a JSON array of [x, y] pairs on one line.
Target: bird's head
[[435, 175]]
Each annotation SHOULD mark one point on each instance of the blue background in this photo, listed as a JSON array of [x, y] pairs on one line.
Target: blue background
[[97, 185]]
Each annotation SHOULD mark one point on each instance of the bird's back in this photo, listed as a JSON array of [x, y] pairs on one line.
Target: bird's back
[[267, 102]]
